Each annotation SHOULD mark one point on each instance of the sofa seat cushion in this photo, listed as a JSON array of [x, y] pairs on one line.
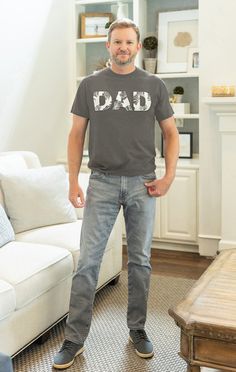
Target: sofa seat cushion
[[66, 235], [32, 269], [7, 299]]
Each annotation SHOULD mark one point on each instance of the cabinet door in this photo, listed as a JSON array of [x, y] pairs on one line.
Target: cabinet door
[[179, 208]]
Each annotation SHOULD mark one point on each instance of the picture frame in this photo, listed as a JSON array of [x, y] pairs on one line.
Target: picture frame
[[193, 59], [177, 31], [92, 25], [185, 145]]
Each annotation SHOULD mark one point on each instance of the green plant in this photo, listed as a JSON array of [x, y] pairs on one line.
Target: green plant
[[107, 25], [150, 44], [178, 90]]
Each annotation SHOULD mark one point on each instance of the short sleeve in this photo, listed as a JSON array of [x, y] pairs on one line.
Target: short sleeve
[[80, 104], [163, 108]]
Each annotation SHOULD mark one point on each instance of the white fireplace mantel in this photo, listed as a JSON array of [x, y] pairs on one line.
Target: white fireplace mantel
[[225, 110]]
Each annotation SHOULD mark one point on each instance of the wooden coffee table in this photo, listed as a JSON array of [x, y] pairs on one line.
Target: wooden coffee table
[[207, 317]]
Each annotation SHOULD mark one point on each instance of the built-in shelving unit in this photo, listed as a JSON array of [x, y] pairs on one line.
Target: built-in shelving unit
[[186, 116], [88, 51], [92, 40], [178, 75]]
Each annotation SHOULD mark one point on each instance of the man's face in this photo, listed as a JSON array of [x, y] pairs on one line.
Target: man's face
[[123, 46]]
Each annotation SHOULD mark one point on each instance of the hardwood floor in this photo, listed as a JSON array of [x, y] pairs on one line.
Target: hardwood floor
[[174, 263]]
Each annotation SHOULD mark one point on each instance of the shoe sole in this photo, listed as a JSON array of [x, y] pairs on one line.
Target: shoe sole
[[67, 365], [141, 355]]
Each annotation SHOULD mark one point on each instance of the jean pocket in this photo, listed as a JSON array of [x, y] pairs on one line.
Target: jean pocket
[[149, 177]]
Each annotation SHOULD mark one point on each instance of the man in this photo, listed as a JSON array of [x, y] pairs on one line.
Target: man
[[121, 103]]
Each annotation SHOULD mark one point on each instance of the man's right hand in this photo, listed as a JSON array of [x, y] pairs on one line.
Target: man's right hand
[[76, 196]]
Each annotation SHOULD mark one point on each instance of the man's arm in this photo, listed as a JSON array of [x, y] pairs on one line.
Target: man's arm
[[74, 156], [171, 140]]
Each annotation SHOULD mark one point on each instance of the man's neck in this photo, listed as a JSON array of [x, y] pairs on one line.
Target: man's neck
[[123, 70]]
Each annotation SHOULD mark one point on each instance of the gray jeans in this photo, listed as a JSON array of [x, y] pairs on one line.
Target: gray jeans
[[5, 363], [105, 196]]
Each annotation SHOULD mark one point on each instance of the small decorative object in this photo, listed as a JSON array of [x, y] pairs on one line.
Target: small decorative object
[[185, 145], [102, 63], [122, 10], [223, 91], [193, 59], [107, 25], [178, 94], [93, 24], [181, 108], [150, 44]]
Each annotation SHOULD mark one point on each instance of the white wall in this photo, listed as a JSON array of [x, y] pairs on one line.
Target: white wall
[[35, 75], [217, 66]]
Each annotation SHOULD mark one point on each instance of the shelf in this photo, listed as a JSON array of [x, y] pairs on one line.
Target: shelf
[[92, 40], [186, 116], [192, 163], [178, 75], [219, 100], [92, 2]]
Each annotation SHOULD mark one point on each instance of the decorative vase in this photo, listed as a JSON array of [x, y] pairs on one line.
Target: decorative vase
[[150, 65], [122, 10], [178, 98]]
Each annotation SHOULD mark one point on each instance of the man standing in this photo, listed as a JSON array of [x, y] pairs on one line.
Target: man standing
[[121, 103]]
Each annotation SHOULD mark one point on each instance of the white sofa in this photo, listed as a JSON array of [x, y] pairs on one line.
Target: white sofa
[[36, 269]]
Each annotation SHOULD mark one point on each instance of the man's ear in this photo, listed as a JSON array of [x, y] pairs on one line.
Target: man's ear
[[107, 44], [140, 46]]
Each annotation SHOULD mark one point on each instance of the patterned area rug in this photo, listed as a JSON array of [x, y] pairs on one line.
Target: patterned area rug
[[107, 347]]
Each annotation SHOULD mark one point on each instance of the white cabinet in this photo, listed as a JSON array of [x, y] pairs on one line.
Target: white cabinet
[[178, 208]]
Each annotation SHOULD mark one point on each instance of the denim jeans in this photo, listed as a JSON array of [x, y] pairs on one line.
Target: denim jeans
[[106, 194]]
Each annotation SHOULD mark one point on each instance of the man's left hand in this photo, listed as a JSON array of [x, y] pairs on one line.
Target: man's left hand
[[158, 187]]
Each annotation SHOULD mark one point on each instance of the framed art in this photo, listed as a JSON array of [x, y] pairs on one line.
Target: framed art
[[193, 59], [185, 145], [177, 31], [93, 24]]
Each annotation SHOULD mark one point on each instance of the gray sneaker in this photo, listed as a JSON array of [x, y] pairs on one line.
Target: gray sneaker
[[143, 346], [66, 356]]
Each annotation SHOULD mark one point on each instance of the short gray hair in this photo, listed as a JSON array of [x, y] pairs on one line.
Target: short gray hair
[[123, 23]]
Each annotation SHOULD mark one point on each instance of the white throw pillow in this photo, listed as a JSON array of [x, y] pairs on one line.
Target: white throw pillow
[[6, 230], [37, 197]]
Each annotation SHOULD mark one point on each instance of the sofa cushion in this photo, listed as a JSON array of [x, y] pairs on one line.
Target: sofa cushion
[[32, 269], [66, 235], [10, 161], [37, 197], [7, 299], [6, 230]]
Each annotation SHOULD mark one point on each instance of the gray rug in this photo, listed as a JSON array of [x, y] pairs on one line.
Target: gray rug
[[107, 347]]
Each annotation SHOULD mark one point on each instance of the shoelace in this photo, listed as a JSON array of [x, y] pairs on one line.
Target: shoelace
[[68, 345], [140, 334]]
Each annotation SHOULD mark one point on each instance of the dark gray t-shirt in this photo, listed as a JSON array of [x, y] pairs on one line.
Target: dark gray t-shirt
[[122, 111]]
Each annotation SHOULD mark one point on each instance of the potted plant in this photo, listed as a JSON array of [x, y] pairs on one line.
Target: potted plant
[[150, 44], [107, 25], [178, 94]]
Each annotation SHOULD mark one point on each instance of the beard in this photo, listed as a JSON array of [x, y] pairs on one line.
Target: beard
[[120, 62]]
